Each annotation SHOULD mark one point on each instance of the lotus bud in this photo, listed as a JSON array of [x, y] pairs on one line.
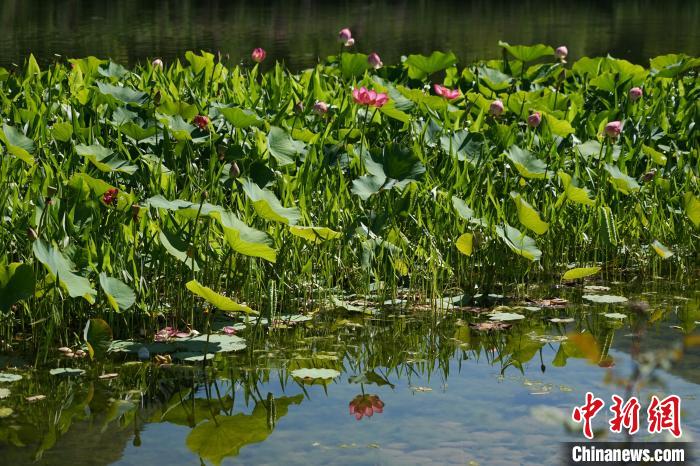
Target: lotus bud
[[51, 191], [561, 53], [156, 98], [157, 63], [31, 233], [201, 121], [613, 129], [496, 108], [374, 61], [344, 35], [350, 42], [636, 93], [534, 120], [235, 171], [258, 55], [204, 195], [648, 176], [320, 108]]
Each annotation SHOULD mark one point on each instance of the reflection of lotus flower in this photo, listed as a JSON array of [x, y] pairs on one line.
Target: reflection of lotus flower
[[366, 405], [635, 93], [561, 52], [366, 97], [534, 120], [613, 129], [258, 55], [445, 92], [496, 108], [374, 61]]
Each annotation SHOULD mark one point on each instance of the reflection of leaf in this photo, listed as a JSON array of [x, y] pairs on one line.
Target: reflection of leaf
[[586, 345], [98, 336], [66, 372], [215, 440], [370, 377], [315, 374]]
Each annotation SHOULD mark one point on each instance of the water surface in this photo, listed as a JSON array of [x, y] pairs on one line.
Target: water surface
[[301, 31]]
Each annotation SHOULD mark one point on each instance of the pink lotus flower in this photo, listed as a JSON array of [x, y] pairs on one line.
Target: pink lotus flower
[[496, 108], [201, 121], [320, 108], [445, 92], [363, 96], [613, 129], [636, 93], [534, 120], [344, 35], [258, 55], [167, 333], [111, 196], [374, 61], [561, 53], [157, 63], [366, 405], [228, 330]]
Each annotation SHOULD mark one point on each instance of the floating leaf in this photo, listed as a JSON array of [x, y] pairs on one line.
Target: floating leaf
[[615, 315], [4, 393], [67, 372], [580, 272], [6, 377], [506, 316], [604, 298], [215, 299]]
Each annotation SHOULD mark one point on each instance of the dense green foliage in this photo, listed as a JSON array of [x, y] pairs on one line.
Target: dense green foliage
[[126, 199]]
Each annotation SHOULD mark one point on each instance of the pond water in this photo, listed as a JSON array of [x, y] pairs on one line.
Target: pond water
[[301, 31], [449, 390]]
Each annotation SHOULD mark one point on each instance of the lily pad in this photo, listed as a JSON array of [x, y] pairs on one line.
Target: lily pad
[[615, 315], [7, 377], [5, 412], [506, 316], [66, 371], [4, 393], [558, 320], [604, 298]]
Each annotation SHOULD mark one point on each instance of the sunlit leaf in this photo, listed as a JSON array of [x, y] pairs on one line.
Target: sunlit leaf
[[580, 272], [60, 267], [217, 300]]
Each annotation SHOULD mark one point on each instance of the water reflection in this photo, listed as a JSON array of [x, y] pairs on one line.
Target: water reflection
[[299, 32], [458, 391]]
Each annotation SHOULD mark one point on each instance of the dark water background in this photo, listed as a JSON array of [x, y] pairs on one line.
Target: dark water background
[[301, 31]]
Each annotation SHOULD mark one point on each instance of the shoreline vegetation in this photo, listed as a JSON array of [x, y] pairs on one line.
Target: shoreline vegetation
[[152, 196]]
